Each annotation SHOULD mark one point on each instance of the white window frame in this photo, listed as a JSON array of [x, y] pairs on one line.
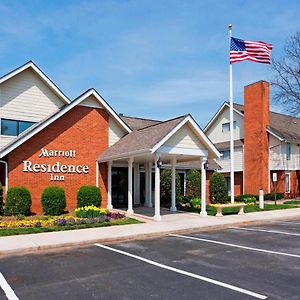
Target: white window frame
[[289, 183], [288, 146], [225, 157], [228, 124]]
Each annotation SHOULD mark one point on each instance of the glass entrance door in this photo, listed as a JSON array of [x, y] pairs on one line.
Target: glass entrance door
[[119, 187]]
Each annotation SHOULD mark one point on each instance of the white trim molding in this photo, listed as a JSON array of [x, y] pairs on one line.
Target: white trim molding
[[37, 70], [6, 174], [63, 111], [216, 115]]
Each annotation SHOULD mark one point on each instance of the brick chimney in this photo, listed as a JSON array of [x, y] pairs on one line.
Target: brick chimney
[[256, 143]]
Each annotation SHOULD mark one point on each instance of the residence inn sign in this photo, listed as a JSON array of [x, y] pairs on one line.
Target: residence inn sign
[[56, 169]]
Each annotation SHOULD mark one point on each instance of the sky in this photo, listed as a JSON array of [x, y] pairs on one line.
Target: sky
[[147, 58]]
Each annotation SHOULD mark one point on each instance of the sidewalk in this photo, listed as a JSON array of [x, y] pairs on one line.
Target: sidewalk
[[173, 223]]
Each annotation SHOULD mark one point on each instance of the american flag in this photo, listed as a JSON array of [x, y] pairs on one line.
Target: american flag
[[246, 50]]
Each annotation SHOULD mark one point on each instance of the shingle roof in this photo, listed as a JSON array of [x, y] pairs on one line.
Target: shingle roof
[[212, 165], [225, 145], [287, 127], [138, 123], [141, 139]]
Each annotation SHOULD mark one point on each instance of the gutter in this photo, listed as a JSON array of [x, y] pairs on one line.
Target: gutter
[[6, 174]]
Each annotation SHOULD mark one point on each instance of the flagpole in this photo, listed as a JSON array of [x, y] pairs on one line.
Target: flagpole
[[231, 125]]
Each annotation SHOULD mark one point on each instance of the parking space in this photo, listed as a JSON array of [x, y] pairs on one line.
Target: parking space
[[256, 262]]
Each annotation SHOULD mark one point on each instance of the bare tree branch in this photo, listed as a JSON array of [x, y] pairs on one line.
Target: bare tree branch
[[287, 76]]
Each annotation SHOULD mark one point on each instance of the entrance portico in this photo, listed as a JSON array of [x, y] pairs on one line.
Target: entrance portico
[[172, 142]]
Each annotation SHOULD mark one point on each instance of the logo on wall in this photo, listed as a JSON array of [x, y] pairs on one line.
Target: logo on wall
[[57, 169]]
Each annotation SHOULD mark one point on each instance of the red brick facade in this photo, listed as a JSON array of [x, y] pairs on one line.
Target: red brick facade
[[256, 143], [82, 129], [280, 186]]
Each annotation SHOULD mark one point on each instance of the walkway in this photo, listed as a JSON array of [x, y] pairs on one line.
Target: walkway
[[171, 223]]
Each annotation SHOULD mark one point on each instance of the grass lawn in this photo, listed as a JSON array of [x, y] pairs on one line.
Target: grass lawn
[[248, 209], [296, 202], [28, 230]]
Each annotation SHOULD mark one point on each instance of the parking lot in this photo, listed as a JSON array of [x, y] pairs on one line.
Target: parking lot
[[256, 262]]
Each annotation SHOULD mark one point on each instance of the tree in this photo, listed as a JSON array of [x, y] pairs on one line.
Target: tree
[[166, 186], [193, 183], [287, 76], [218, 188]]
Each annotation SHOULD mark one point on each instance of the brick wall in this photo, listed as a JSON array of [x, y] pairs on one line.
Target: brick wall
[[280, 186], [83, 129], [256, 144]]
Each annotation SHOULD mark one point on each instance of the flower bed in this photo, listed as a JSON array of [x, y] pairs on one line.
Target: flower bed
[[85, 217]]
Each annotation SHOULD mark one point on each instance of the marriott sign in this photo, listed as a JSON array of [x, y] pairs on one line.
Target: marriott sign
[[55, 169]]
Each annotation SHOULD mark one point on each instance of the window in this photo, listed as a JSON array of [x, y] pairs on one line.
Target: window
[[287, 182], [288, 151], [225, 154], [14, 127], [226, 126]]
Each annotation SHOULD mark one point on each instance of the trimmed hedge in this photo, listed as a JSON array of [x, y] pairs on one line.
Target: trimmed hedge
[[271, 196], [240, 198], [89, 195], [218, 188], [18, 201], [1, 199], [53, 200]]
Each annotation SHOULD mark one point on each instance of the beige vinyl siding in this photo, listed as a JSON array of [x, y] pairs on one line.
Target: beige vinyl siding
[[275, 154], [238, 161], [184, 138], [215, 133], [26, 97], [91, 101], [4, 140], [278, 158], [115, 132]]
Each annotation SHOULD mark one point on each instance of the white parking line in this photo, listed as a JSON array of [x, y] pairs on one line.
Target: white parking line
[[287, 223], [10, 294], [216, 282], [264, 230], [234, 245]]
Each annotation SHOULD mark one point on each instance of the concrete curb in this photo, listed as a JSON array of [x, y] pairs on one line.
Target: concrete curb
[[137, 236]]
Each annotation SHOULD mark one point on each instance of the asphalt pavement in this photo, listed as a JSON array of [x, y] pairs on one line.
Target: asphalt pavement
[[255, 262]]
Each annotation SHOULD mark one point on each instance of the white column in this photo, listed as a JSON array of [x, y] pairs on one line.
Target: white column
[[157, 216], [173, 186], [136, 183], [150, 185], [109, 202], [130, 209], [146, 184], [203, 212]]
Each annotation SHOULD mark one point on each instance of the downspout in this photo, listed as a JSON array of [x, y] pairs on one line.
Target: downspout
[[6, 174]]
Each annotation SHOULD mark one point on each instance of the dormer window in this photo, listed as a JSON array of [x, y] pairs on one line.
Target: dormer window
[[14, 127], [226, 126]]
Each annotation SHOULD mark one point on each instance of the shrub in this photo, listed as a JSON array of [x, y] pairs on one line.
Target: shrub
[[184, 199], [18, 201], [1, 199], [89, 195], [193, 183], [271, 196], [240, 198], [166, 186], [53, 200], [250, 200], [196, 203], [218, 188]]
